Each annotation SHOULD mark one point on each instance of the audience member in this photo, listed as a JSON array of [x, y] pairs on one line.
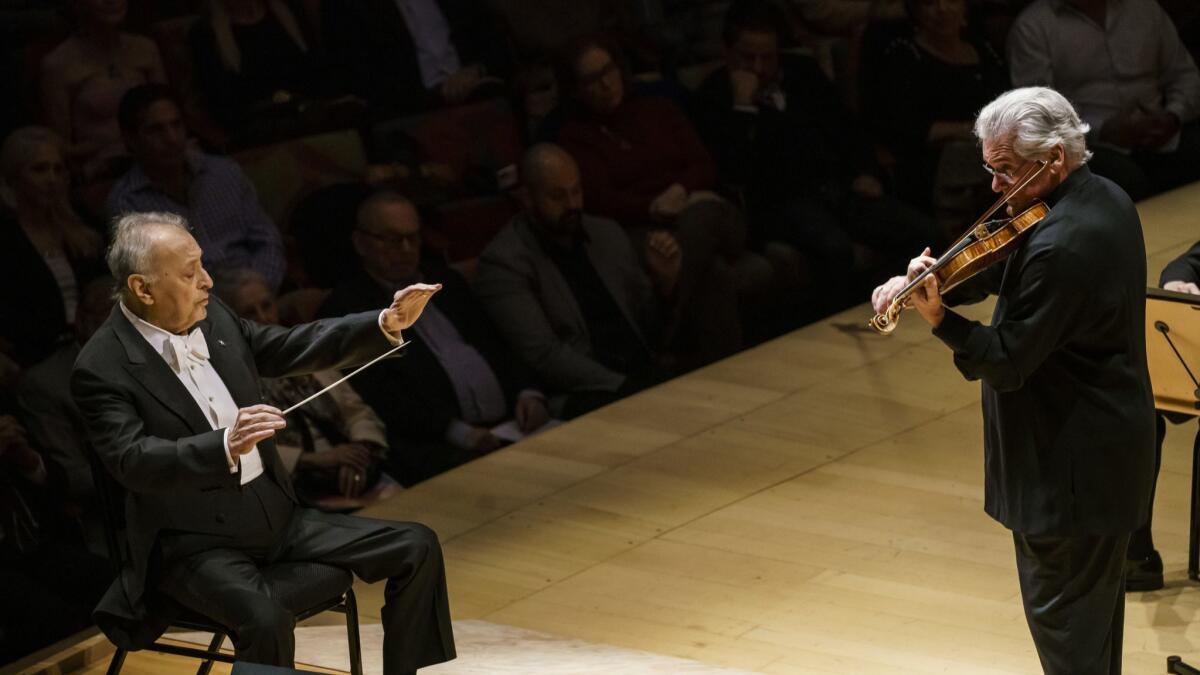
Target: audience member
[[211, 192], [782, 138], [43, 244], [255, 64], [458, 380], [584, 307], [335, 443], [84, 78], [410, 55], [644, 166], [934, 59], [54, 423], [48, 581], [1124, 69]]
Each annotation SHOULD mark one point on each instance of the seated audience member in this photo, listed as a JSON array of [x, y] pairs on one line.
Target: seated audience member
[[333, 444], [457, 380], [83, 79], [1143, 565], [582, 305], [782, 138], [1124, 69], [211, 192], [54, 423], [255, 64], [643, 164], [413, 55], [936, 60], [45, 248], [170, 390], [49, 582]]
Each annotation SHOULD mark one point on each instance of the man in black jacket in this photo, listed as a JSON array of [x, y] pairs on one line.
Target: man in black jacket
[[458, 378], [1067, 406], [1144, 566], [169, 390]]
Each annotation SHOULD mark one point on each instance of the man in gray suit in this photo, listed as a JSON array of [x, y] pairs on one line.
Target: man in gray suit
[[582, 306]]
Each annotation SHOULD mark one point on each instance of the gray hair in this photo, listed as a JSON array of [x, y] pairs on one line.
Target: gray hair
[[1038, 118], [132, 241]]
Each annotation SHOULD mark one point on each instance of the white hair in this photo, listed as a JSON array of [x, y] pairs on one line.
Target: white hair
[[132, 241], [1037, 118]]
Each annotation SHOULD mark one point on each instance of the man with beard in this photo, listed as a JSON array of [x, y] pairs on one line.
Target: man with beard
[[580, 304], [1068, 413]]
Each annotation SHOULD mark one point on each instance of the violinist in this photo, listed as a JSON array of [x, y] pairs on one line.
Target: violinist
[[1067, 407]]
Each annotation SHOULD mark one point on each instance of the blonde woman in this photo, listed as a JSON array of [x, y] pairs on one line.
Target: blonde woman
[[46, 250]]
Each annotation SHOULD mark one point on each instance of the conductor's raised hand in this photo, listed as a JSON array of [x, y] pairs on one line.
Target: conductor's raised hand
[[254, 424], [407, 306]]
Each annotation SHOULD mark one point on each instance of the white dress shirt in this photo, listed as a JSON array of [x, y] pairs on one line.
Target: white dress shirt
[[1135, 59], [187, 357]]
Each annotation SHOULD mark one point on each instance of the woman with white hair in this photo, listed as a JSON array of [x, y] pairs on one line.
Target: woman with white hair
[[46, 250], [1067, 406]]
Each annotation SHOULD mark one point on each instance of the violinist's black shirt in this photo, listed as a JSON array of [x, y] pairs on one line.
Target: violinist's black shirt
[[1067, 407]]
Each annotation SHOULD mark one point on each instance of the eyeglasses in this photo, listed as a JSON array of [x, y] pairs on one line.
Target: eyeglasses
[[394, 241], [1004, 176]]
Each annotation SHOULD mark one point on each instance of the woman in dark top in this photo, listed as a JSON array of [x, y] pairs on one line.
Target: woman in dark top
[[931, 79], [252, 58], [46, 251]]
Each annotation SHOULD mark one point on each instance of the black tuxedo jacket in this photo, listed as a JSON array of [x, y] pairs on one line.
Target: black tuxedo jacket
[[1067, 409], [414, 395], [160, 447]]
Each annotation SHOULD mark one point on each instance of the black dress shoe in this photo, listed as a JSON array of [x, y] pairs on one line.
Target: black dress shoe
[[1145, 574]]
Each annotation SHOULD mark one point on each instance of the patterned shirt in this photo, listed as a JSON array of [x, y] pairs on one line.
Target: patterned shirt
[[223, 210]]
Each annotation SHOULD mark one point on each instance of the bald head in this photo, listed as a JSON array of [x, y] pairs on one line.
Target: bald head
[[553, 193]]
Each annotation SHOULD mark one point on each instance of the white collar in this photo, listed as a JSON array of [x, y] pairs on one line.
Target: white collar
[[156, 336]]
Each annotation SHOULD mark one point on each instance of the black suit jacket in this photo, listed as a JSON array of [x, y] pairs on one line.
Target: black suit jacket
[[1067, 407], [160, 447], [414, 396], [371, 43], [1184, 268]]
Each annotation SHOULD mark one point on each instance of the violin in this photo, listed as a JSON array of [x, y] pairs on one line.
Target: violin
[[982, 245]]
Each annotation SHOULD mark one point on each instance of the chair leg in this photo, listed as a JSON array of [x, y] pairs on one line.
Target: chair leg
[[214, 646], [352, 633], [117, 662]]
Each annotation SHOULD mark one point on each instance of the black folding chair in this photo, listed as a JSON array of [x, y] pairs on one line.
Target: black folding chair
[[305, 588]]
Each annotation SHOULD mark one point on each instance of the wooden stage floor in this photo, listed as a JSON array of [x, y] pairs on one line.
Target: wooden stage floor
[[813, 505]]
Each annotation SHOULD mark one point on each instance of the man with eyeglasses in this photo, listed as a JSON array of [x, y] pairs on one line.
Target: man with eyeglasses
[[1068, 413], [458, 379]]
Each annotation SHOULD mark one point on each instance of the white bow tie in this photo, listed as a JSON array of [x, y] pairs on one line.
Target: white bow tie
[[180, 348]]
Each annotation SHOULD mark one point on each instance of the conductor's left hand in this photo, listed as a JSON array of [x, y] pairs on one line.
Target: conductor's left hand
[[407, 306]]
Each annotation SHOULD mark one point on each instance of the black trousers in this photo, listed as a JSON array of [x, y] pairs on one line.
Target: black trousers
[[1073, 590], [221, 579]]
